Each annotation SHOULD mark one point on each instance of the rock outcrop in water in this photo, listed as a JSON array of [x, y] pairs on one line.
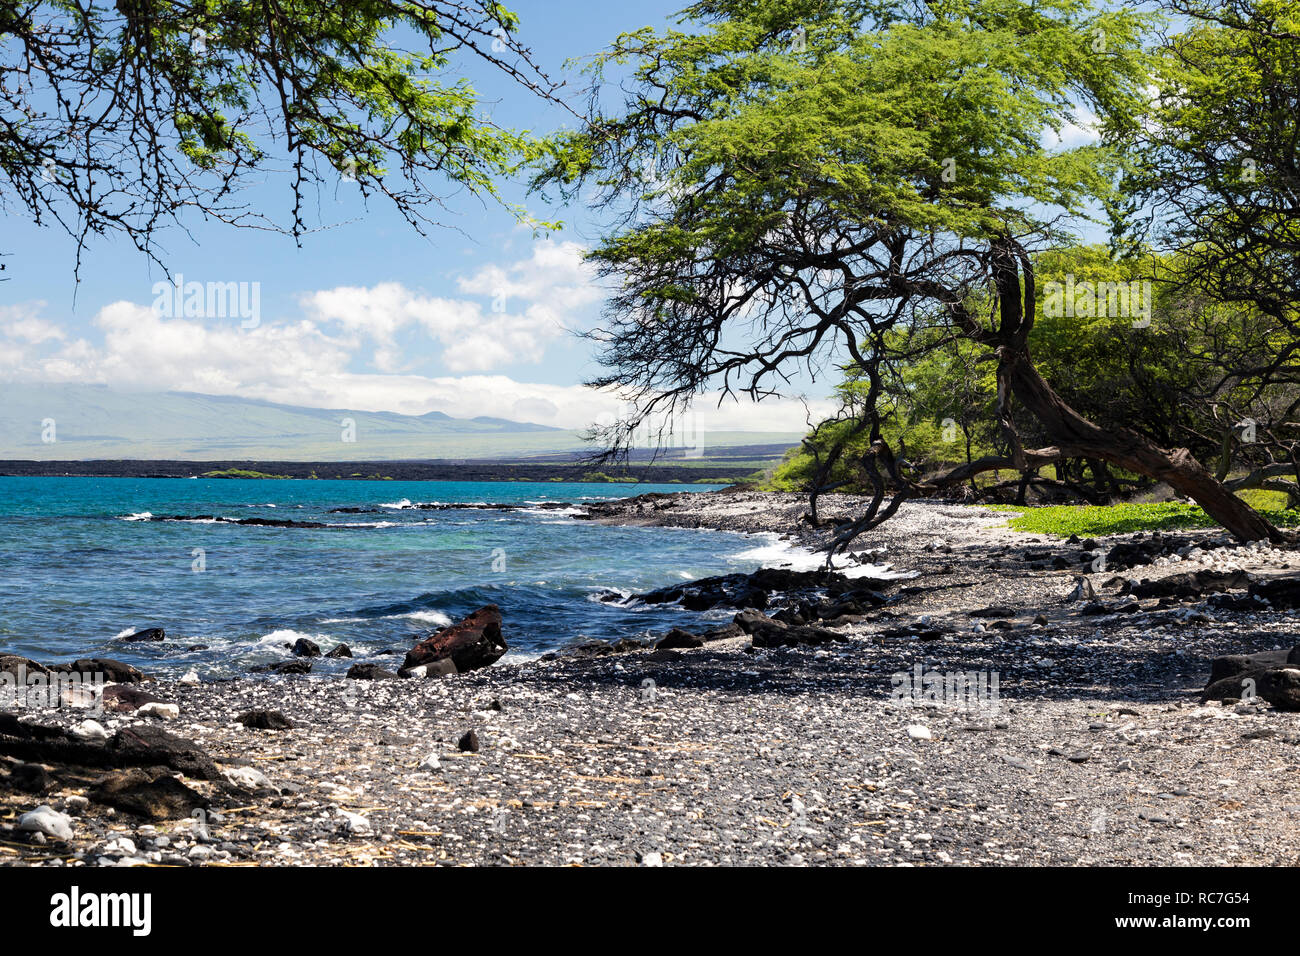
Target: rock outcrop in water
[[473, 643]]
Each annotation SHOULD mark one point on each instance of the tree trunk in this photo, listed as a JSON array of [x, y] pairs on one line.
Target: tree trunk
[[1075, 435]]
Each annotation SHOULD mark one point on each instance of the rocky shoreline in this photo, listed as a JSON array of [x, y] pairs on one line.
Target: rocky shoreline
[[1011, 699]]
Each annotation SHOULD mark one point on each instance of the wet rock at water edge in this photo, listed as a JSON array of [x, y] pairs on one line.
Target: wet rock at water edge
[[472, 643], [443, 668], [589, 649], [19, 667], [265, 720], [148, 634], [305, 648], [299, 665], [679, 638], [728, 630], [342, 650], [107, 668], [368, 671], [755, 590]]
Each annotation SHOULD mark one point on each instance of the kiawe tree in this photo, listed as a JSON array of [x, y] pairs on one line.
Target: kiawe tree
[[794, 182], [1214, 175], [122, 119]]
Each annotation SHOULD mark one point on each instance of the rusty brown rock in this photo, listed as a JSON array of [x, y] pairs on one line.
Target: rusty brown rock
[[470, 644]]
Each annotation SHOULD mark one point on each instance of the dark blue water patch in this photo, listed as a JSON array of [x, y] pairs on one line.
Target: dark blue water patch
[[76, 572]]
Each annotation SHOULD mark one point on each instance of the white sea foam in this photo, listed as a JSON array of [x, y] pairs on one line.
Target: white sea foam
[[404, 503], [428, 617], [425, 617], [138, 516], [776, 553], [287, 635]]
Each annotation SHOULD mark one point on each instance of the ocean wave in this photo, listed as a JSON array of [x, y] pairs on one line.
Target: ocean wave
[[287, 635], [425, 617], [776, 553]]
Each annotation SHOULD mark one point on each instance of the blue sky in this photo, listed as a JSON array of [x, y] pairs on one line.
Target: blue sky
[[390, 308], [366, 314]]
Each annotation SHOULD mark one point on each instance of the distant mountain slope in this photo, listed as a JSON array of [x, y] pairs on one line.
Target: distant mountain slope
[[98, 422]]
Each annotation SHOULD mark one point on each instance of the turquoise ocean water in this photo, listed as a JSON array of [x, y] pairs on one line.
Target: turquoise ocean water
[[81, 564]]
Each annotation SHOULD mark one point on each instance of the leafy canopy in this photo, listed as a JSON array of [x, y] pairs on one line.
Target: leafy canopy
[[786, 174], [119, 118]]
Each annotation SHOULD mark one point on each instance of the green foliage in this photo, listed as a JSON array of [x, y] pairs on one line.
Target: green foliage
[[1091, 520], [1217, 161], [774, 161], [1121, 346], [1262, 500], [122, 115], [864, 112], [239, 473]]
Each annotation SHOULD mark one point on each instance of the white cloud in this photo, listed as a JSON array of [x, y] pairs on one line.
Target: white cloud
[[314, 360], [528, 305], [22, 323], [1083, 128], [299, 364]]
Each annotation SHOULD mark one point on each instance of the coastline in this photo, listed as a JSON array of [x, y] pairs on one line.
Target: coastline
[[462, 469], [1097, 749]]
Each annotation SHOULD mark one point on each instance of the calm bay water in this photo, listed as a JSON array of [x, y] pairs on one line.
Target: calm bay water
[[80, 565]]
